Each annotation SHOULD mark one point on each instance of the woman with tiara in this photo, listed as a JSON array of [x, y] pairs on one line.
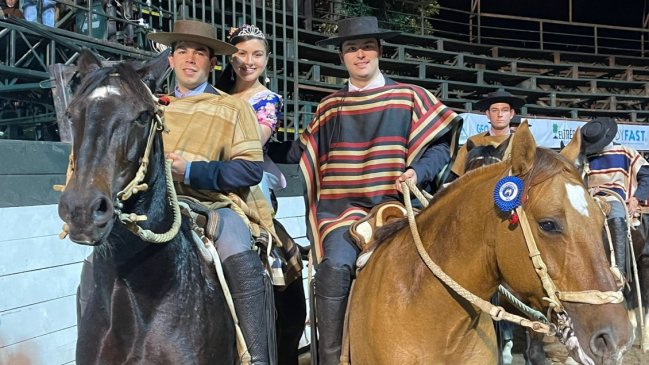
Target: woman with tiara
[[245, 77]]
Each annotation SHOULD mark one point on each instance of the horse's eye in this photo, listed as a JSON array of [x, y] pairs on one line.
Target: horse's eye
[[549, 226]]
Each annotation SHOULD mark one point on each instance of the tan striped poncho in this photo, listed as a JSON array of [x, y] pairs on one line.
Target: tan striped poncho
[[209, 127]]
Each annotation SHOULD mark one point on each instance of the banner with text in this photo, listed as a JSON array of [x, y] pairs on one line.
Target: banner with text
[[551, 132]]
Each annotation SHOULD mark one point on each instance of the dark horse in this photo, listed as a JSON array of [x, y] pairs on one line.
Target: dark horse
[[152, 302], [149, 302]]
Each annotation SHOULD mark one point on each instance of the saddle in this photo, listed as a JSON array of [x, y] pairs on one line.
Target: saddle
[[363, 231], [284, 264]]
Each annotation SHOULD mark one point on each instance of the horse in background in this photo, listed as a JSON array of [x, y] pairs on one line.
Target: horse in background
[[396, 301]]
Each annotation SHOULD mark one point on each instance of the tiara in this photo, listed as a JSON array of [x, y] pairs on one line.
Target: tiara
[[246, 30]]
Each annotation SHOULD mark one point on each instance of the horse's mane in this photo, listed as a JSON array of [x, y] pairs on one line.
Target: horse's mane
[[127, 74], [547, 164]]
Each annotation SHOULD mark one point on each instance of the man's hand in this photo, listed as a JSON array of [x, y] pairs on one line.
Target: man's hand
[[178, 166], [632, 205], [410, 174]]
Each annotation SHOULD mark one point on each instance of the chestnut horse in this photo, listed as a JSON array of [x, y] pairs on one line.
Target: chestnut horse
[[152, 303], [400, 313]]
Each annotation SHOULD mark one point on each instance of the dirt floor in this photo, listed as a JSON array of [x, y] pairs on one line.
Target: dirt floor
[[634, 357]]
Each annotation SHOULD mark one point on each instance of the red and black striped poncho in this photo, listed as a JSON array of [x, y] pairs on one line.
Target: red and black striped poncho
[[358, 144]]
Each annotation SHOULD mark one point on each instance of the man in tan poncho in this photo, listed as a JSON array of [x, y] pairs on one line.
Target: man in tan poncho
[[500, 108], [217, 159]]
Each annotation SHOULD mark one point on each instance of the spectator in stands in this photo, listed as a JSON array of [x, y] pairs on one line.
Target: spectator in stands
[[11, 8], [363, 142], [617, 168], [500, 108], [48, 14], [245, 78]]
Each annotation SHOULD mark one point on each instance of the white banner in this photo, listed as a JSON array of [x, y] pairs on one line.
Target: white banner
[[551, 132]]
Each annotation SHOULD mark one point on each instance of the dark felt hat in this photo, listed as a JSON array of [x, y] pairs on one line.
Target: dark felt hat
[[597, 133], [357, 28], [499, 96], [194, 31]]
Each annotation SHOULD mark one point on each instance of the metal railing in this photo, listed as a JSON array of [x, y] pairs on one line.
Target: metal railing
[[508, 30]]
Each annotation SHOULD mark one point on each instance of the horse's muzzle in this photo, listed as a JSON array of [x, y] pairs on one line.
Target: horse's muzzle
[[89, 215]]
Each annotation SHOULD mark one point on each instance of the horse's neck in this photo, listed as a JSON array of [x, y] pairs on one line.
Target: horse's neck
[[463, 232]]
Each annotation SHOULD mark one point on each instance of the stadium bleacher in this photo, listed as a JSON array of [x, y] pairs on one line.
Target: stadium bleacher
[[555, 83]]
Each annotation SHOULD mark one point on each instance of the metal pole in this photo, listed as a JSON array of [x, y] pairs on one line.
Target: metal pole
[[253, 12], [284, 62], [308, 15], [296, 73], [223, 28], [244, 13]]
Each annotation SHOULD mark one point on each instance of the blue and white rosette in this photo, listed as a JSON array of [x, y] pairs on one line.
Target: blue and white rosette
[[508, 193]]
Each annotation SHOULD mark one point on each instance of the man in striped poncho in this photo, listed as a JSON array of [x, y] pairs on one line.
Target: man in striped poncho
[[617, 168], [363, 141]]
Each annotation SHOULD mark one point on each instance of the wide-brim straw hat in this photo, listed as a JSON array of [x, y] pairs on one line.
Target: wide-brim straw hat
[[194, 31], [357, 28], [597, 134], [499, 96]]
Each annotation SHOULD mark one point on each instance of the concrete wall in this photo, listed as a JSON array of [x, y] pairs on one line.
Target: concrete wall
[[39, 273]]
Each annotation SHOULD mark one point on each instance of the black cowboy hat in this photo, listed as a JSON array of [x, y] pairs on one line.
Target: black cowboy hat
[[597, 133], [499, 96], [194, 31], [357, 28]]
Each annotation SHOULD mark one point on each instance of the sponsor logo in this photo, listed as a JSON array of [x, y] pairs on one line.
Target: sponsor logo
[[482, 127], [562, 133], [630, 136]]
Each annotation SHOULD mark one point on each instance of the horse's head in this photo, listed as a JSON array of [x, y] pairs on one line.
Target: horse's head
[[110, 115], [478, 156], [565, 223]]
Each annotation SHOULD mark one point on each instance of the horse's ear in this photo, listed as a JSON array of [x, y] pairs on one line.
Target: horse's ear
[[469, 145], [573, 149], [87, 62], [523, 150], [153, 71]]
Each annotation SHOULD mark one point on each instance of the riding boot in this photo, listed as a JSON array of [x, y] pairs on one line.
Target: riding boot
[[619, 236], [253, 301], [332, 290]]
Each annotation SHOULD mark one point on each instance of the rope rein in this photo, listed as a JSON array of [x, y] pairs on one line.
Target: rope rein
[[136, 185], [497, 313]]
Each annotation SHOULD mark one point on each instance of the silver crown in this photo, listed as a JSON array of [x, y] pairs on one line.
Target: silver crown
[[249, 30]]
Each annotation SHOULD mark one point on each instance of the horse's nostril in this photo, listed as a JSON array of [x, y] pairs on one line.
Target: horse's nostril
[[602, 343], [102, 211]]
